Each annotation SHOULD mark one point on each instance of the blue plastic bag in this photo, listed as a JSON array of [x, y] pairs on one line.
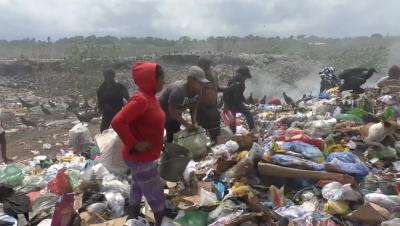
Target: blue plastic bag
[[349, 163], [220, 187], [296, 162], [309, 151]]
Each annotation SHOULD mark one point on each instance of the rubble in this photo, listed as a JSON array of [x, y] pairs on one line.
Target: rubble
[[335, 161]]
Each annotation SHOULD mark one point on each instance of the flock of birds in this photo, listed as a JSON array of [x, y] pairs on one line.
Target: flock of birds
[[72, 106], [288, 100]]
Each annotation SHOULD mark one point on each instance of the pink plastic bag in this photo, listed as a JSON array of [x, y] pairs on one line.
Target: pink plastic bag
[[228, 118], [64, 211]]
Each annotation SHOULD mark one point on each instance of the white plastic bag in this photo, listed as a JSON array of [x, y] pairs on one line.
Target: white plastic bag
[[388, 202], [207, 198], [79, 135], [196, 141], [116, 186], [336, 191], [109, 146], [116, 202], [137, 222]]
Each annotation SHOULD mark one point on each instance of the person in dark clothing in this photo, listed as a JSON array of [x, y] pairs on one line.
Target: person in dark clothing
[[328, 79], [110, 97], [3, 144], [234, 99], [180, 96], [208, 115]]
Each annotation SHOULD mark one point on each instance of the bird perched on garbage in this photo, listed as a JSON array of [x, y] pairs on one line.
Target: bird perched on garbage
[[263, 100], [87, 117], [45, 110], [26, 104], [354, 78], [51, 104], [288, 99], [27, 123], [250, 100], [72, 105]]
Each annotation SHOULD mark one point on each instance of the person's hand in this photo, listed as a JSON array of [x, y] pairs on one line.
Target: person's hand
[[140, 147]]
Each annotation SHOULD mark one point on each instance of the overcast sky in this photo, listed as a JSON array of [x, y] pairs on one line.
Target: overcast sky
[[197, 18]]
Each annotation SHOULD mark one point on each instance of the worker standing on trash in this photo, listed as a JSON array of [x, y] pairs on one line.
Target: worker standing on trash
[[3, 143], [328, 79], [393, 74], [208, 115], [234, 99], [180, 96], [140, 125], [110, 98]]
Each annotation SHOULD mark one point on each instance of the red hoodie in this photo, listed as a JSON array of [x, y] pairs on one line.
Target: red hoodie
[[141, 119]]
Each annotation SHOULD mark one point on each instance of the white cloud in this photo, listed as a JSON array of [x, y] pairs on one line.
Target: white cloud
[[199, 19]]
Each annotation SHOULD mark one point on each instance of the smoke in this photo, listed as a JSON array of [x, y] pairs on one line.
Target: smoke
[[270, 84]]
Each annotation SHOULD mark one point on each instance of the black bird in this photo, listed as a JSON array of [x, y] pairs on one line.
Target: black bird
[[263, 100], [26, 104], [45, 110], [288, 99], [52, 105], [354, 78], [250, 100], [86, 117], [27, 123]]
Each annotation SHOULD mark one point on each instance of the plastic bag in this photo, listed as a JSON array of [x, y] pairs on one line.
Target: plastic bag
[[12, 176], [196, 141], [207, 198], [349, 163], [220, 189], [349, 117], [307, 150], [193, 218], [243, 168], [386, 99], [137, 222], [227, 118], [60, 184], [73, 178], [79, 135], [336, 191], [336, 207], [276, 196], [226, 208], [109, 146], [117, 186], [98, 207], [64, 211], [256, 152], [319, 128], [116, 202], [395, 221], [388, 202], [295, 162]]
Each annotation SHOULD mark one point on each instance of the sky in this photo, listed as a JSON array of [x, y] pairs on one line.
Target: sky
[[197, 18]]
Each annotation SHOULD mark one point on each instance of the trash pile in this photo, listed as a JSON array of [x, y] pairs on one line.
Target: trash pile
[[333, 160]]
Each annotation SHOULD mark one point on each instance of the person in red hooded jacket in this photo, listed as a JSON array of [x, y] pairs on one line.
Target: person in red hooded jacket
[[140, 126]]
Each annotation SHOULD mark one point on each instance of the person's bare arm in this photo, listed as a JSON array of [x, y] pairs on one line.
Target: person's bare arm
[[177, 115]]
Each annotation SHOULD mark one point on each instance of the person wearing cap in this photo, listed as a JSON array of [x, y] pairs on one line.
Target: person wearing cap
[[234, 99], [208, 115], [180, 96], [110, 98]]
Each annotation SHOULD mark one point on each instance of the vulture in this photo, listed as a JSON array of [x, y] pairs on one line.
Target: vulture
[[26, 104], [263, 100], [288, 99], [52, 105], [45, 110], [250, 100]]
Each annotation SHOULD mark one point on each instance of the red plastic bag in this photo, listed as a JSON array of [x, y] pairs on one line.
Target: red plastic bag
[[64, 211], [228, 118], [274, 101], [60, 184], [313, 141]]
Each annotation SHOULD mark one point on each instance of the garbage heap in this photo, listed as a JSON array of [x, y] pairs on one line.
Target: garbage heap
[[333, 160]]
